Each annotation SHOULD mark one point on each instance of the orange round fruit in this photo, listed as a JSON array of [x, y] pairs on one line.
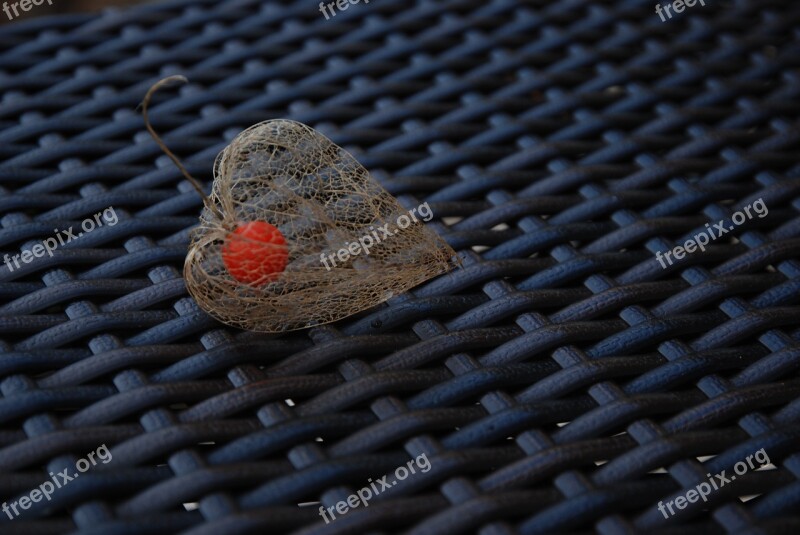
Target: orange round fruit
[[255, 253]]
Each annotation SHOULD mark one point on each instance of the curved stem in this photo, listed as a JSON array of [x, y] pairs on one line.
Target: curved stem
[[145, 105]]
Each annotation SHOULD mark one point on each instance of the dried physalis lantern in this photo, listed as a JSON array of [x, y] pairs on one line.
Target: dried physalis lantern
[[296, 233]]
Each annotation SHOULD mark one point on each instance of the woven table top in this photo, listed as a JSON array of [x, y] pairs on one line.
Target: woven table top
[[623, 335]]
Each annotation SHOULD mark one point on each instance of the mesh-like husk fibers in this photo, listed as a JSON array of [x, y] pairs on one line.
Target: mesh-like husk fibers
[[320, 198]]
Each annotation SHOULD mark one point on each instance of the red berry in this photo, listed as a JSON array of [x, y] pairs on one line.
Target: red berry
[[255, 253]]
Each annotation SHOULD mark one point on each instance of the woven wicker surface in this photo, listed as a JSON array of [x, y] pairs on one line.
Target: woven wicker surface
[[561, 381]]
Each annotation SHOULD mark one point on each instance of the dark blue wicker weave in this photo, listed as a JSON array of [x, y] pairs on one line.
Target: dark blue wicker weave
[[562, 381]]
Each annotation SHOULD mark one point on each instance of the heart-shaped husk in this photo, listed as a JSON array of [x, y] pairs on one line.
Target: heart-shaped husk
[[322, 200]]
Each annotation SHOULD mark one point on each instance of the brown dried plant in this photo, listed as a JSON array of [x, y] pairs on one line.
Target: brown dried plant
[[320, 198]]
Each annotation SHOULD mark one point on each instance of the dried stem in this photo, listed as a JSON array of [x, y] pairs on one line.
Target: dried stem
[[145, 105]]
